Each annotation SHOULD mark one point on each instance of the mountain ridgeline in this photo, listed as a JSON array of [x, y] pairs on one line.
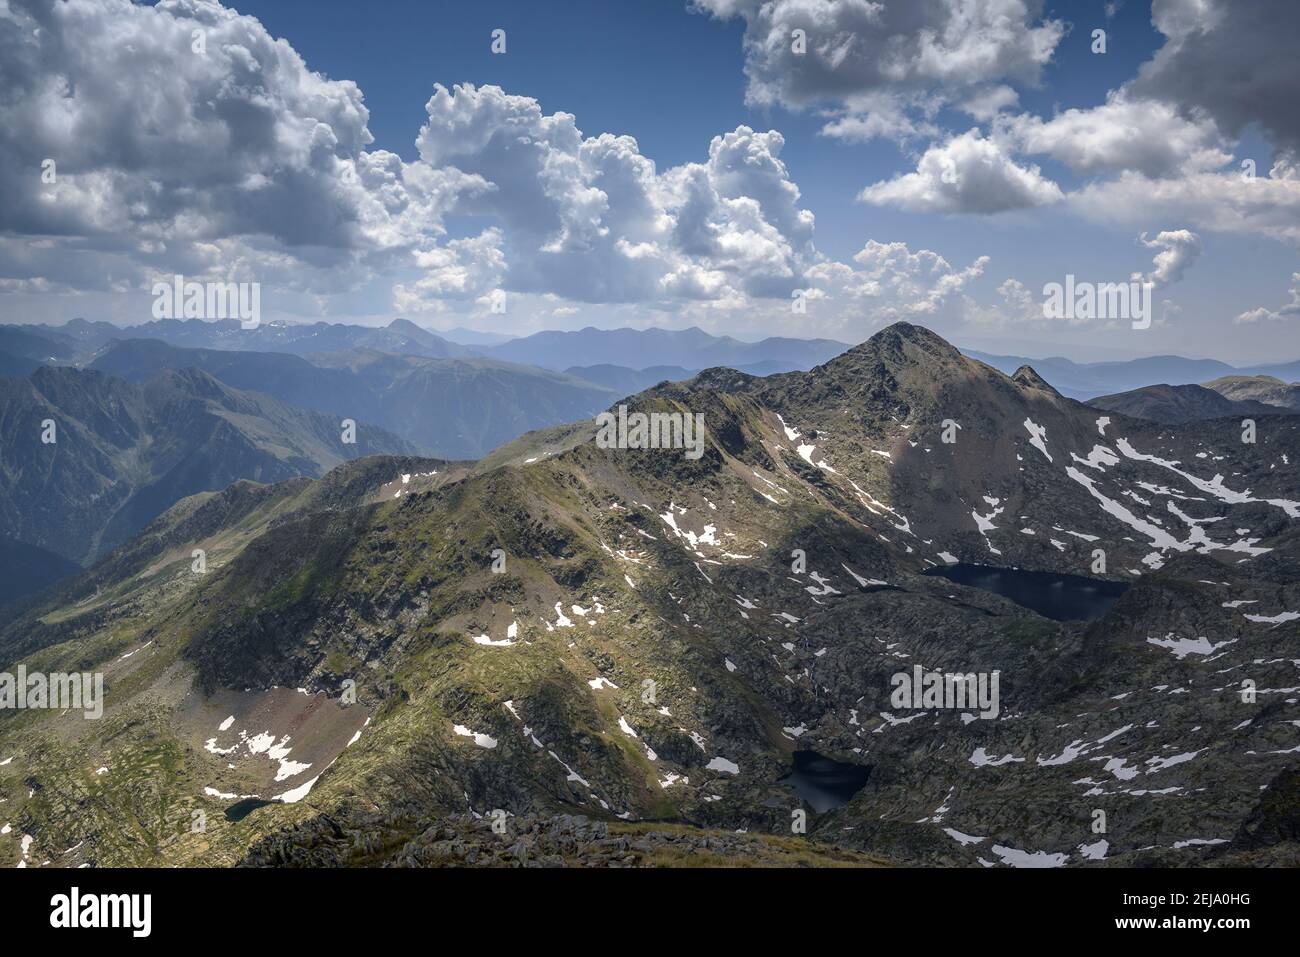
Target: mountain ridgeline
[[1181, 403], [554, 350], [122, 464]]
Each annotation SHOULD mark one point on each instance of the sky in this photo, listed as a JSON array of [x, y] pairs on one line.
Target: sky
[[788, 167]]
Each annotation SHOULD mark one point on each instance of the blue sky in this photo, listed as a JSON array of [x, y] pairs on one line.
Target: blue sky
[[654, 70], [1082, 155]]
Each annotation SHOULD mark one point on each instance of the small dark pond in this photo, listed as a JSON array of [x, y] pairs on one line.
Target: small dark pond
[[824, 782], [241, 809], [1052, 595]]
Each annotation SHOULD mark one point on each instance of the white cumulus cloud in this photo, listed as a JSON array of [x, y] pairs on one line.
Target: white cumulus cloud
[[967, 174], [1288, 311], [863, 59], [1148, 136], [1179, 248]]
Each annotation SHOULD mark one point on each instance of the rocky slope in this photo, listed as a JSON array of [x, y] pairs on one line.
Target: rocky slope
[[638, 637], [351, 838], [1265, 389]]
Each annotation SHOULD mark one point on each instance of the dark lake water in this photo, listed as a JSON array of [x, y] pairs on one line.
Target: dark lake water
[[824, 782], [1052, 595], [241, 809]]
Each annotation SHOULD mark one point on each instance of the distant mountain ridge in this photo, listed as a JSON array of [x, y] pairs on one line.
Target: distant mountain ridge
[[79, 339], [473, 337], [625, 381], [643, 348], [455, 408], [124, 452], [556, 350], [633, 349], [401, 336], [1179, 403], [1088, 380], [1260, 388]]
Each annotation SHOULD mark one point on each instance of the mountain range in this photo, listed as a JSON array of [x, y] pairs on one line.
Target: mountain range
[[641, 348], [90, 458], [1087, 380], [632, 349], [652, 640], [454, 408], [446, 400]]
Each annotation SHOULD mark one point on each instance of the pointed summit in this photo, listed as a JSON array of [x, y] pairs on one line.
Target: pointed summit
[[901, 334], [406, 325], [190, 381], [1027, 378], [897, 348]]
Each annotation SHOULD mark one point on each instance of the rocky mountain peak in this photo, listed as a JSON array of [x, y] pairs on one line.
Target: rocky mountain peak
[[1027, 378], [405, 325], [900, 346], [901, 335], [724, 379], [899, 360], [189, 381]]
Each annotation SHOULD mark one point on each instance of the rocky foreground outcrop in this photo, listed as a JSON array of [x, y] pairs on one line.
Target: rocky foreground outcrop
[[361, 838]]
